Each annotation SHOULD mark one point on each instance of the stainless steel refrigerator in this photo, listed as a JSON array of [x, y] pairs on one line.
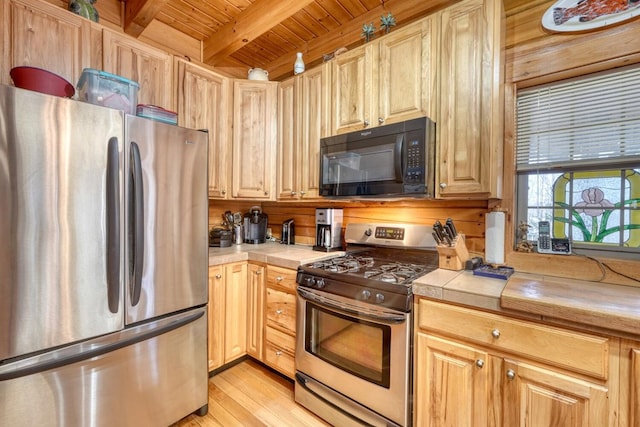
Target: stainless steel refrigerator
[[103, 266]]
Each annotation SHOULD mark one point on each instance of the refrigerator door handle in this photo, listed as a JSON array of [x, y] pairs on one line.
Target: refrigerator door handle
[[113, 225], [137, 225], [146, 333]]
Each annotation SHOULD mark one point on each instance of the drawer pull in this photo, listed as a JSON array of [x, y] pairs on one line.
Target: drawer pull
[[495, 333], [258, 272], [511, 374], [278, 311], [218, 276], [279, 279], [480, 363], [278, 353]]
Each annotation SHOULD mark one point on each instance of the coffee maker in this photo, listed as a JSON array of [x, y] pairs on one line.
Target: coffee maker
[[255, 225], [328, 230]]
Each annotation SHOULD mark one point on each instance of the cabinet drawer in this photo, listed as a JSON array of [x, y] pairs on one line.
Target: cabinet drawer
[[281, 309], [572, 350], [281, 340], [282, 277], [278, 356]]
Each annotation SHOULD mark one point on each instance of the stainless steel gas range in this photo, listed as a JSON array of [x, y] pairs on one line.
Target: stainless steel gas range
[[354, 326]]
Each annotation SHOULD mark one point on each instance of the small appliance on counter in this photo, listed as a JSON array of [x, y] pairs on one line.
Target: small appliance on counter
[[220, 238], [288, 233], [255, 225], [328, 229]]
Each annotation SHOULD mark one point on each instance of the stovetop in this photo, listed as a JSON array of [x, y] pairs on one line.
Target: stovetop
[[396, 267]]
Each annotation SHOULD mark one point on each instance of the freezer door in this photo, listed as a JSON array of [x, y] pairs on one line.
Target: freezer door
[[167, 207], [60, 254], [150, 375]]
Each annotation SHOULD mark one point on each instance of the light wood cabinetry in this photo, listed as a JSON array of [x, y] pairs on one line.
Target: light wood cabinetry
[[387, 80], [255, 309], [151, 68], [512, 372], [204, 102], [227, 313], [254, 139], [39, 34], [630, 383], [470, 121], [280, 323], [303, 115]]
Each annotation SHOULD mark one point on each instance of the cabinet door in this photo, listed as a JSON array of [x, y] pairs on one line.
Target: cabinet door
[[452, 384], [151, 68], [41, 35], [314, 114], [471, 100], [538, 397], [629, 383], [216, 314], [354, 89], [254, 139], [407, 81], [255, 310], [235, 324], [204, 102], [288, 141]]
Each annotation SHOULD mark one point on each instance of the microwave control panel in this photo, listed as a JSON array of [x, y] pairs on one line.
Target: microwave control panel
[[414, 173]]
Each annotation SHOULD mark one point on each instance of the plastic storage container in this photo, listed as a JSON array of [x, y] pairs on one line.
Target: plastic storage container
[[108, 90], [157, 113]]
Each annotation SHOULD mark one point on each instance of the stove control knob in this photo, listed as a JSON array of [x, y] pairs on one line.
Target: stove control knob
[[310, 281], [366, 294], [320, 283], [379, 298], [367, 232]]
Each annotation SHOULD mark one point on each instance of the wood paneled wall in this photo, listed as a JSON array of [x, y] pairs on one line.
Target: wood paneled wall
[[469, 216]]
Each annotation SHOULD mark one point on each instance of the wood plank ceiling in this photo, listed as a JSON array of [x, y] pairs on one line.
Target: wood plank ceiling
[[268, 33]]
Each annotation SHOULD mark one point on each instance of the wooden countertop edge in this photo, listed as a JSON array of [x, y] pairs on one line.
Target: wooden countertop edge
[[613, 307]]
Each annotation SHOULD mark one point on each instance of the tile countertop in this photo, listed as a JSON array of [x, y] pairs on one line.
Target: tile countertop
[[286, 256], [591, 305]]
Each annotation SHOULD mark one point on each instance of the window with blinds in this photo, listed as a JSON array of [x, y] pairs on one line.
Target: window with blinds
[[578, 160]]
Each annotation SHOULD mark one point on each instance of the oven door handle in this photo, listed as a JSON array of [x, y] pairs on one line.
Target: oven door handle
[[390, 318]]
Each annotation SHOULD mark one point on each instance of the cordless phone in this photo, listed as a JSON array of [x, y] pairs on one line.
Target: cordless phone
[[548, 245]]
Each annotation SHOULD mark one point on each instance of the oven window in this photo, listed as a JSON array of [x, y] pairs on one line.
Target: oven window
[[356, 346]]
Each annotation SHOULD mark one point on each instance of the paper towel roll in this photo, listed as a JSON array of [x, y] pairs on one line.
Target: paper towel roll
[[494, 238]]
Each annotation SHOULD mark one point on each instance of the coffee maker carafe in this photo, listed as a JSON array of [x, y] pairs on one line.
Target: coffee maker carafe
[[328, 230]]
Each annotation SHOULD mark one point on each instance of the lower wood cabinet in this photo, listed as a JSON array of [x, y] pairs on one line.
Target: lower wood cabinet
[[280, 319], [481, 369], [227, 313], [255, 309], [630, 383]]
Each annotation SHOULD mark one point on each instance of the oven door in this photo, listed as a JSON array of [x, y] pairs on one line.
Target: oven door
[[360, 350]]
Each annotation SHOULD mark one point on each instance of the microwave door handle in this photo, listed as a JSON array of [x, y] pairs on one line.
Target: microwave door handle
[[399, 167]]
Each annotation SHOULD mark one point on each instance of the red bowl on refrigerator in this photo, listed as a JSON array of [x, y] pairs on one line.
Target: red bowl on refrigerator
[[42, 81]]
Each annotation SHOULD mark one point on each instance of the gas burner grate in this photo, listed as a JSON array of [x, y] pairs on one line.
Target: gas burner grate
[[368, 268]]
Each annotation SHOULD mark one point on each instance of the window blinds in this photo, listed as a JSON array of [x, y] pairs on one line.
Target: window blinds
[[593, 121]]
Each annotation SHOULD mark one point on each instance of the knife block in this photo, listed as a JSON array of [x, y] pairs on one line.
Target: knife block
[[453, 257]]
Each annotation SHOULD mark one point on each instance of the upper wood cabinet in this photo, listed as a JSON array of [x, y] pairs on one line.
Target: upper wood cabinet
[[39, 34], [204, 101], [303, 115], [387, 80], [255, 122], [469, 126], [151, 68]]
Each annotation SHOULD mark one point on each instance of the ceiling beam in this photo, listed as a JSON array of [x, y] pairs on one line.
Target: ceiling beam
[[349, 34], [138, 14], [255, 20]]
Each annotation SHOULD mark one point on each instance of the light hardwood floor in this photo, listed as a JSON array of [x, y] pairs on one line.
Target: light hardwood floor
[[248, 394]]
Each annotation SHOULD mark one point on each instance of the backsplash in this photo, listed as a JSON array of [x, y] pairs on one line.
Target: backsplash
[[469, 216]]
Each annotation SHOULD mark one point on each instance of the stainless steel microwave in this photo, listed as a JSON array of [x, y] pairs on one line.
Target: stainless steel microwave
[[390, 160]]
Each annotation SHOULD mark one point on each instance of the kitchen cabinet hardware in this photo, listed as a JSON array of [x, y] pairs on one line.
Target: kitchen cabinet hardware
[[218, 276], [480, 363], [495, 333], [257, 272], [443, 185], [302, 192], [380, 120], [278, 353], [293, 193], [366, 123], [279, 279], [278, 311], [511, 374]]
